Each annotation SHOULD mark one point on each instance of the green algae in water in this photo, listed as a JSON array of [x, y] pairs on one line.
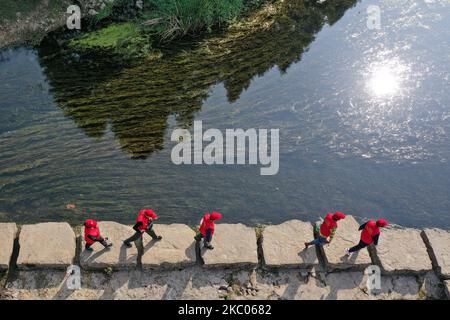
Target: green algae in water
[[137, 101], [127, 38]]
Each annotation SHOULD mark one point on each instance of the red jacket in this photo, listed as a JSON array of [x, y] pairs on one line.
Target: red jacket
[[208, 222], [370, 230], [142, 217], [328, 225], [91, 229]]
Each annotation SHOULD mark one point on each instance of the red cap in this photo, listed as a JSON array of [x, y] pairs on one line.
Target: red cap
[[338, 215], [149, 213], [382, 223], [90, 223], [215, 216]]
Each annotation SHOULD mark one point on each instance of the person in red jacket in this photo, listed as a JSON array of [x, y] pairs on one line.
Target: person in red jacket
[[92, 235], [206, 230], [327, 229], [370, 234], [144, 223]]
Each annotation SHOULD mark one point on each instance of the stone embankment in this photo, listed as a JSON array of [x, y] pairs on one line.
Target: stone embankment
[[247, 263]]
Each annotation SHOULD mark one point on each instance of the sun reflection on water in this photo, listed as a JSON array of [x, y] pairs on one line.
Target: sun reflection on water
[[385, 79]]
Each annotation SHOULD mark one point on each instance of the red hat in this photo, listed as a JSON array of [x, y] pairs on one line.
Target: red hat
[[338, 215], [215, 216], [90, 223], [149, 213], [382, 223]]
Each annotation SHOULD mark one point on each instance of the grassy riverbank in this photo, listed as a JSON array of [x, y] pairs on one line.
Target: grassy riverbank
[[139, 32]]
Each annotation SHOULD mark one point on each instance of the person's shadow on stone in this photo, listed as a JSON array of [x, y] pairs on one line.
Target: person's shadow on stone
[[342, 281], [123, 255], [306, 253], [199, 251], [89, 256], [63, 293], [149, 245], [350, 259], [191, 253]]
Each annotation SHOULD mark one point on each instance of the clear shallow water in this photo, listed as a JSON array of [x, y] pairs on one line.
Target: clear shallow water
[[364, 120]]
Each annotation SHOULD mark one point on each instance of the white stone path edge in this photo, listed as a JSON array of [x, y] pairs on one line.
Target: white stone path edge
[[57, 245]]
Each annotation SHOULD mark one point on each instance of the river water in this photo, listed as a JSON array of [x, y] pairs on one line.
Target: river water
[[364, 119]]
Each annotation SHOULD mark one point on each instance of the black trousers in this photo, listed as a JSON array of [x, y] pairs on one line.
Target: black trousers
[[359, 246], [138, 235], [208, 236], [101, 240]]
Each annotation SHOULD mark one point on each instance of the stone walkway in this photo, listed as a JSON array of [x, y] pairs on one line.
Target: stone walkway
[[401, 252]]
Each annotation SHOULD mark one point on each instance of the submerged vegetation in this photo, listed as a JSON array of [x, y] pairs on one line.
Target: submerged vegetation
[[159, 21], [125, 38], [135, 102]]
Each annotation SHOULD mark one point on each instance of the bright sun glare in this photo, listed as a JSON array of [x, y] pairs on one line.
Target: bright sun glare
[[384, 82], [385, 79]]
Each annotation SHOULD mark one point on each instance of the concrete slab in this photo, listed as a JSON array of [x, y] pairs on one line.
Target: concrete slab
[[118, 256], [283, 245], [402, 251], [46, 245], [175, 250], [234, 245], [347, 235], [8, 233], [438, 243]]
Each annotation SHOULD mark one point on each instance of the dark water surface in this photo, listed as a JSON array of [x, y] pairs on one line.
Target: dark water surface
[[364, 119]]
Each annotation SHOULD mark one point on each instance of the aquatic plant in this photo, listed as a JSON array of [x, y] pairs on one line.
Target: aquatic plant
[[158, 21], [126, 38], [137, 101]]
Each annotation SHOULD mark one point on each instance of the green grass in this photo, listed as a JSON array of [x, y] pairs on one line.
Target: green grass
[[178, 18], [127, 38], [160, 21]]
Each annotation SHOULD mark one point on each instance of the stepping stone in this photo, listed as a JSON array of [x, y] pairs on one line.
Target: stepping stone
[[8, 233], [175, 250], [402, 251], [438, 243], [347, 235], [284, 245], [234, 245], [46, 245], [118, 256], [447, 288]]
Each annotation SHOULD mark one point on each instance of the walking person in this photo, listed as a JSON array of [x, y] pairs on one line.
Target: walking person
[[370, 234], [206, 230], [92, 235], [327, 229], [144, 223]]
